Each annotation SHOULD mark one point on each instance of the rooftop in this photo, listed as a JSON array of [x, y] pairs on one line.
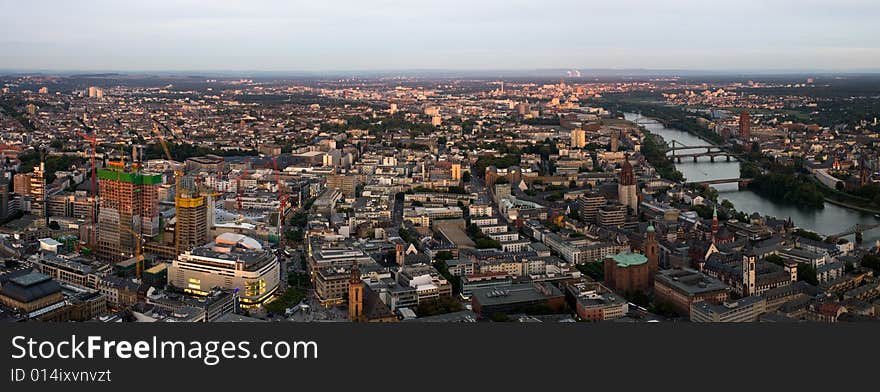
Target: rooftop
[[629, 259]]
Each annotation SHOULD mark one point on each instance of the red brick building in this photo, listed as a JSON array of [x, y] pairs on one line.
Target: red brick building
[[625, 272]]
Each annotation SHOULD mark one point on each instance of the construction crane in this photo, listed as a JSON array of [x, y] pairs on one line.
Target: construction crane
[[138, 251], [94, 141], [177, 174], [238, 187]]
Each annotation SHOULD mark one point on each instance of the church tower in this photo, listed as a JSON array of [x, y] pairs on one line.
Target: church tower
[[651, 251], [748, 273], [355, 294], [714, 223], [627, 193]]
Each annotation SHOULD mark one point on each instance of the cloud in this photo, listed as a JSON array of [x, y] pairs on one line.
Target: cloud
[[389, 34]]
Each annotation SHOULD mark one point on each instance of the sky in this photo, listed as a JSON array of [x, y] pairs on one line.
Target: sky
[[294, 35]]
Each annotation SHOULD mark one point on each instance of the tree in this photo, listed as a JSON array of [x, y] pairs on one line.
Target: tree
[[466, 177], [807, 273], [439, 305], [775, 259]]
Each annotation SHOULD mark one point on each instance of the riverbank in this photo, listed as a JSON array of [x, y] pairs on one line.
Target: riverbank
[[828, 194], [832, 219], [852, 207]]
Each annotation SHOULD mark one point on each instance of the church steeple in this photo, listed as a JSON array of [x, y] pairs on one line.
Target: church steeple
[[355, 294], [714, 223], [651, 251], [626, 172]]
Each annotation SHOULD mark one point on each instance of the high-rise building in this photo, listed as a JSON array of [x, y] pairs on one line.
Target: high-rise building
[[745, 126], [21, 184], [578, 138], [128, 201], [627, 193], [611, 216], [588, 206], [38, 190], [192, 222]]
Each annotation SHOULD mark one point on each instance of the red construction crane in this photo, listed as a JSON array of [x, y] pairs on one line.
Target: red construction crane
[[238, 187]]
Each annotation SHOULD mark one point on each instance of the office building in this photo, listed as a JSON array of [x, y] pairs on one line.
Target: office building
[[680, 288], [588, 206], [518, 298], [231, 261], [38, 190], [594, 302], [743, 310]]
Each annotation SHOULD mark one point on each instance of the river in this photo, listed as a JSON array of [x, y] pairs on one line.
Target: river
[[830, 220]]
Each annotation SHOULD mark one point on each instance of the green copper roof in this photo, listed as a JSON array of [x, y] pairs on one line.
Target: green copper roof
[[628, 259], [135, 178]]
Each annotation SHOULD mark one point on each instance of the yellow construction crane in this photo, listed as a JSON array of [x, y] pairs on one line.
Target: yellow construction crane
[[177, 174], [138, 252]]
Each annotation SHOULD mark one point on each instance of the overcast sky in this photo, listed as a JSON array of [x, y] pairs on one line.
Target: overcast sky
[[292, 35]]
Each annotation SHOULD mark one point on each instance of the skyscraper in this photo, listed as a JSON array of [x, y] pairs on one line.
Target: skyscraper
[[627, 193], [128, 201], [38, 190], [745, 125]]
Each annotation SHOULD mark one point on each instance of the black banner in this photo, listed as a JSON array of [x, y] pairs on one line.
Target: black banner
[[407, 356]]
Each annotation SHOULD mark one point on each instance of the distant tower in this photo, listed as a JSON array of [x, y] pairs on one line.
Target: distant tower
[[745, 126], [748, 274], [651, 251], [627, 193], [399, 254], [355, 294], [714, 223], [615, 140], [864, 172]]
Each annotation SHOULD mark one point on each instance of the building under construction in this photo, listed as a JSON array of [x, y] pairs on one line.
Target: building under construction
[[191, 222], [129, 202]]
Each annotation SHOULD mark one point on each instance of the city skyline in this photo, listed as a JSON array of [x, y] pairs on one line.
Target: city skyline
[[271, 36]]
